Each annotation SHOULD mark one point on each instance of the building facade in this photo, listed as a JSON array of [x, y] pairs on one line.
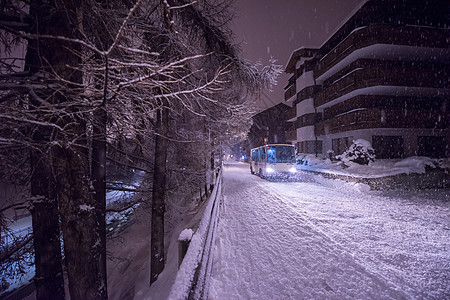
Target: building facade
[[267, 127], [382, 76]]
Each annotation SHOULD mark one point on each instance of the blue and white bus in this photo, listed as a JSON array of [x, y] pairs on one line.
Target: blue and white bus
[[273, 160]]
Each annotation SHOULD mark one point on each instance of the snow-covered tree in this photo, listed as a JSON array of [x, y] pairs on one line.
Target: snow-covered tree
[[101, 74]]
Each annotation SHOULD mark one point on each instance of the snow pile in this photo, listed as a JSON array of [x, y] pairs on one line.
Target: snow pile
[[416, 164], [308, 160]]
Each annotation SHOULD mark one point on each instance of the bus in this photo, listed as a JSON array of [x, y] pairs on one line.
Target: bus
[[273, 160]]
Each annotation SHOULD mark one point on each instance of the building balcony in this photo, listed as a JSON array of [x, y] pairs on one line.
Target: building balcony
[[307, 120], [307, 93], [381, 118], [290, 93], [291, 135], [381, 41], [380, 78], [291, 114]]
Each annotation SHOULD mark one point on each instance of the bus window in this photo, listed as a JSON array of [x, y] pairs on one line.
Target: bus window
[[285, 154], [271, 155], [261, 154], [254, 155]]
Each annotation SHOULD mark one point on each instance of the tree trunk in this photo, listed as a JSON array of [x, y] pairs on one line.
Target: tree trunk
[[82, 244], [49, 281], [157, 257], [98, 173]]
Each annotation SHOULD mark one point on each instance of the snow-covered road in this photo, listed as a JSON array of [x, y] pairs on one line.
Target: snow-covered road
[[329, 240]]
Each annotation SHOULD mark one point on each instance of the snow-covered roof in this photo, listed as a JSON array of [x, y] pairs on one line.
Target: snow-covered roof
[[296, 55]]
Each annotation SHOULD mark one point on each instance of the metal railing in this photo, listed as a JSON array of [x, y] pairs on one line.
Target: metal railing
[[192, 278]]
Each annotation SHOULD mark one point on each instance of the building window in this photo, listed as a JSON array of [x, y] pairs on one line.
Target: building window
[[340, 145], [311, 147], [431, 146], [387, 146], [318, 147]]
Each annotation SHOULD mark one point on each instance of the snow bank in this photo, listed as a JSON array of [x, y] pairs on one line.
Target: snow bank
[[377, 169], [416, 164]]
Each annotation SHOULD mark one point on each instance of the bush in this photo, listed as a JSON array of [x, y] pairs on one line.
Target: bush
[[360, 152]]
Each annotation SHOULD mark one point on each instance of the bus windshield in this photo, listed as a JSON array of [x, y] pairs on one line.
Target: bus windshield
[[280, 154]]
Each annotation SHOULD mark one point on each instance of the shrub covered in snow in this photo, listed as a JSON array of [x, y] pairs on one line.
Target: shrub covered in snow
[[360, 152]]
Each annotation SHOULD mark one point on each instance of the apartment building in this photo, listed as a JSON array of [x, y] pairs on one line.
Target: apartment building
[[266, 126], [382, 76]]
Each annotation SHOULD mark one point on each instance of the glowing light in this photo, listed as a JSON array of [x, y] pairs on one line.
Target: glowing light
[[293, 170], [269, 170]]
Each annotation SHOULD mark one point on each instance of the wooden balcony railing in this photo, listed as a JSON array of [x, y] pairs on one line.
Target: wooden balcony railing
[[290, 92], [383, 34], [382, 118], [383, 75]]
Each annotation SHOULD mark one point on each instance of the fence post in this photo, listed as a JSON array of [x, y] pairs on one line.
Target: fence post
[[183, 244]]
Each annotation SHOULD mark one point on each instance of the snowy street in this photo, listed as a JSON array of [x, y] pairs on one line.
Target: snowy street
[[328, 239]]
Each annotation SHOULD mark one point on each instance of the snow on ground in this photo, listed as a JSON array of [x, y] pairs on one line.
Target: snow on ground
[[329, 239]]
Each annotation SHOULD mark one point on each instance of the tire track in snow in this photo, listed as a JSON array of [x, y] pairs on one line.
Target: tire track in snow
[[402, 239], [267, 251], [298, 212]]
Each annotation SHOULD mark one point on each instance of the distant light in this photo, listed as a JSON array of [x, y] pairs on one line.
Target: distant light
[[293, 170], [270, 170]]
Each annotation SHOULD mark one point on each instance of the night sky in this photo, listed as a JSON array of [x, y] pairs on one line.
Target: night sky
[[275, 28]]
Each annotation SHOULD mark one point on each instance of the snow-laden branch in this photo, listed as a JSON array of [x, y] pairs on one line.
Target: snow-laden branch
[[64, 39], [122, 28], [182, 6], [160, 71], [196, 89], [138, 51], [9, 117]]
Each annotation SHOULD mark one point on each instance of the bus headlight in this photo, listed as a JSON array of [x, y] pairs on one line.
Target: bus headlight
[[269, 170], [293, 170]]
